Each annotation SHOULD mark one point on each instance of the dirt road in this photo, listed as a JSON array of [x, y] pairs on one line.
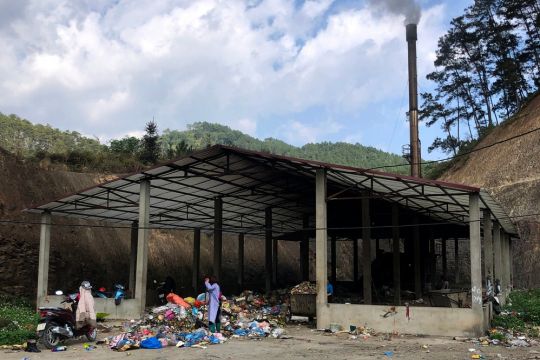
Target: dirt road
[[303, 344]]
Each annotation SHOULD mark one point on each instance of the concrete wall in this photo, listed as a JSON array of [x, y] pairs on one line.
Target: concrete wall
[[127, 310], [423, 320]]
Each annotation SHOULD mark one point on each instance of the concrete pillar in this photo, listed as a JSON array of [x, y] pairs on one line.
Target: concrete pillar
[[497, 252], [333, 274], [44, 249], [218, 236], [275, 263], [304, 250], [505, 263], [444, 260], [396, 254], [476, 262], [456, 260], [241, 261], [195, 264], [321, 243], [417, 270], [268, 248], [432, 261], [142, 244], [355, 260], [133, 258], [510, 263], [488, 245], [366, 250]]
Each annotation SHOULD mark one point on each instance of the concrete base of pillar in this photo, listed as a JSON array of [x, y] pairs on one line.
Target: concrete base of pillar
[[424, 320], [127, 310]]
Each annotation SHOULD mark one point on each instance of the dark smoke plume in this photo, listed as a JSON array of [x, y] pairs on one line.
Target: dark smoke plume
[[409, 8]]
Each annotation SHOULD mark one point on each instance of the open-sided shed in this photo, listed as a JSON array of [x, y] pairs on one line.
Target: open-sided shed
[[226, 189]]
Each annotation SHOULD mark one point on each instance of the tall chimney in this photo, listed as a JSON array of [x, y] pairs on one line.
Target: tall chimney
[[412, 36]]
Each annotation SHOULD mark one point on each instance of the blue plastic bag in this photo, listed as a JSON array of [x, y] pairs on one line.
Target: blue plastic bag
[[194, 337], [213, 339], [241, 332], [151, 343]]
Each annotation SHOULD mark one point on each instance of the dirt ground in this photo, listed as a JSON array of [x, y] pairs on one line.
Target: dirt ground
[[304, 343]]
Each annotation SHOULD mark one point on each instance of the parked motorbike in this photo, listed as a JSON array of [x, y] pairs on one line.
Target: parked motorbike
[[164, 288], [119, 294], [58, 324], [160, 291], [491, 296], [100, 293]]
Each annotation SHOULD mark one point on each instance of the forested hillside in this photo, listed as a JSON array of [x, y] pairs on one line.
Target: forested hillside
[[80, 153], [202, 134]]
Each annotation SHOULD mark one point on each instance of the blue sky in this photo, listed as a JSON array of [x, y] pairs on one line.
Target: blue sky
[[300, 71]]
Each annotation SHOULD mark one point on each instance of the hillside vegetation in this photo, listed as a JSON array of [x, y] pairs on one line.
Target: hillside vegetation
[[487, 66], [202, 134], [44, 143], [510, 170]]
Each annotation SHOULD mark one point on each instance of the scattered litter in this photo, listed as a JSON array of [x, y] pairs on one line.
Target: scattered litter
[[389, 353], [89, 347], [519, 343]]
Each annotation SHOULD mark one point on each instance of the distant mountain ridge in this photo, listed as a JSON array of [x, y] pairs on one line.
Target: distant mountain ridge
[[28, 140], [201, 134]]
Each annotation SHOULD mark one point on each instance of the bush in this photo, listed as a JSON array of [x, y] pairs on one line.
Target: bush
[[18, 321], [523, 312], [510, 322], [527, 304]]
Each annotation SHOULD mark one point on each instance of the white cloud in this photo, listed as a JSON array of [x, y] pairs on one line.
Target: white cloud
[[115, 65], [299, 133], [246, 125]]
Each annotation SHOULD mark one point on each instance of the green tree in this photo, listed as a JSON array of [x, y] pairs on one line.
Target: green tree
[[149, 145], [125, 146]]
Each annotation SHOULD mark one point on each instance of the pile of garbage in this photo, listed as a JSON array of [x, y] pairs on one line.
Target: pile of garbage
[[182, 323], [502, 337], [304, 288]]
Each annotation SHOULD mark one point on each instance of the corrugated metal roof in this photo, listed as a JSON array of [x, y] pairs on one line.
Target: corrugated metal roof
[[183, 192]]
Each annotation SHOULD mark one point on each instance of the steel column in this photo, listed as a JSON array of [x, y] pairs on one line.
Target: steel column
[[321, 242], [44, 250], [142, 245]]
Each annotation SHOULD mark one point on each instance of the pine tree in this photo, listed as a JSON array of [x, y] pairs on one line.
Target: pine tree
[[150, 148]]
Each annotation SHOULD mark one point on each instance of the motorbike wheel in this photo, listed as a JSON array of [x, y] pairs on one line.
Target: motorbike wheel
[[49, 338], [91, 335]]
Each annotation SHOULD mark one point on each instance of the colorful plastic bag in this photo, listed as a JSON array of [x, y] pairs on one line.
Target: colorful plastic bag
[[175, 299]]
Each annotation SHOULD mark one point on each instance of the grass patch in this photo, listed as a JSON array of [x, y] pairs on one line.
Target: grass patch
[[18, 321], [522, 312], [100, 317]]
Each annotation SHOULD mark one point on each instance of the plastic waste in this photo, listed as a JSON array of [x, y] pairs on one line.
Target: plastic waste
[[59, 348], [213, 339], [240, 332], [151, 343], [175, 299]]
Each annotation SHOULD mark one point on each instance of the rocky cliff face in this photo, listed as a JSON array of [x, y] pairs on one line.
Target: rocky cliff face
[[511, 172], [84, 250]]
